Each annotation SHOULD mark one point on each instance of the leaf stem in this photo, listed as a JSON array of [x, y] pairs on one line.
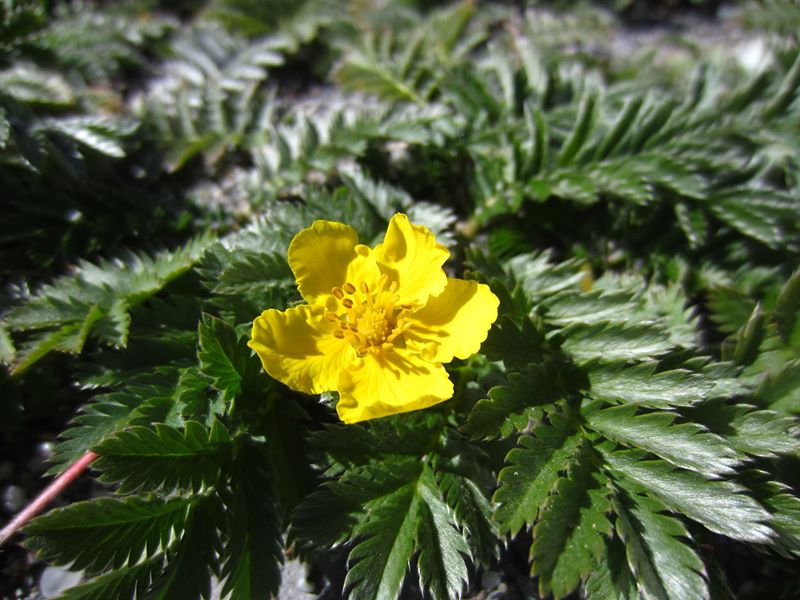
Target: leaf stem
[[46, 496]]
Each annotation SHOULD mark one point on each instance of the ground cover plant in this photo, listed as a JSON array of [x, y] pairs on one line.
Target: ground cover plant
[[617, 369]]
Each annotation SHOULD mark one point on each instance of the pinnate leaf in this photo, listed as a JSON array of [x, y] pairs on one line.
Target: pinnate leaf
[[533, 470], [164, 458], [253, 551], [722, 506], [107, 532], [667, 568], [641, 385], [686, 445], [569, 534]]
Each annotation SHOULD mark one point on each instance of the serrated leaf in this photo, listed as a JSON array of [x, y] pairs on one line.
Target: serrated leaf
[[442, 569], [510, 408], [612, 342], [566, 308], [666, 567], [748, 338], [722, 506], [641, 385], [253, 551], [107, 532], [119, 583], [612, 579], [473, 513], [785, 507], [568, 536], [758, 432], [222, 357], [685, 445], [787, 311], [532, 471], [192, 561], [163, 458], [781, 390], [377, 564], [514, 343]]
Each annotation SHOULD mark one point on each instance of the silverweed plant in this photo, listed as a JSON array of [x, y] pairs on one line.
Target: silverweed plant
[[440, 300]]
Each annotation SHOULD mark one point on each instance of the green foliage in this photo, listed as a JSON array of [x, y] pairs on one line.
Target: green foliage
[[632, 413]]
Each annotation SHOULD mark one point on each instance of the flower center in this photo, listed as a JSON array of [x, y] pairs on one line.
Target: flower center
[[369, 319]]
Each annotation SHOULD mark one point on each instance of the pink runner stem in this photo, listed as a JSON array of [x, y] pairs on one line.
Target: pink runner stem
[[47, 496]]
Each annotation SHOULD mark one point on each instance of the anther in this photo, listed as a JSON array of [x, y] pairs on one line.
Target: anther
[[347, 302], [349, 288], [331, 316], [406, 306], [375, 350], [337, 291], [338, 334], [393, 287], [364, 287]]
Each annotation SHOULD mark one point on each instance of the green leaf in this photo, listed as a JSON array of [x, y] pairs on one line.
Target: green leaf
[[163, 458], [192, 561], [758, 432], [612, 342], [722, 506], [566, 308], [666, 567], [568, 537], [581, 130], [510, 408], [442, 570], [253, 551], [95, 301], [787, 310], [781, 390], [785, 507], [472, 512], [377, 564], [642, 386], [685, 445], [532, 471], [516, 344], [748, 338], [119, 583], [107, 532], [222, 357], [611, 578]]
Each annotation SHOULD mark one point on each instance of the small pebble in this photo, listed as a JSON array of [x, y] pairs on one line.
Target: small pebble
[[490, 580], [12, 498], [55, 580]]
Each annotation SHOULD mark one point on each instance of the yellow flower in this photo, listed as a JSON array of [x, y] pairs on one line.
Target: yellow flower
[[378, 323]]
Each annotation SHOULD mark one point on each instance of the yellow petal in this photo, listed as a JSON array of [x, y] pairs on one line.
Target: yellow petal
[[319, 256], [390, 384], [455, 322], [297, 348], [411, 256]]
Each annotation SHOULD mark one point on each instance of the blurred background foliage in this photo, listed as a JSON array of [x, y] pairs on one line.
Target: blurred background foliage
[[157, 157]]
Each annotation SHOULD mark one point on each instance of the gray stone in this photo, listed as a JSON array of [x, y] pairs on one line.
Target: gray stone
[[55, 580]]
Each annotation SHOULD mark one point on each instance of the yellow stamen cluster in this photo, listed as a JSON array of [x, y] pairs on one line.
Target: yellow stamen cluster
[[369, 319]]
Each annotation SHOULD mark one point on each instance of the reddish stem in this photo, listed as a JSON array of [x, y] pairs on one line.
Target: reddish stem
[[47, 496]]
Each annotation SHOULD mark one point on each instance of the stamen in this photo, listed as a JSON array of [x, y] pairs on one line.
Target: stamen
[[338, 334], [349, 288], [364, 287], [331, 316], [387, 347], [337, 291], [348, 302], [392, 286]]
